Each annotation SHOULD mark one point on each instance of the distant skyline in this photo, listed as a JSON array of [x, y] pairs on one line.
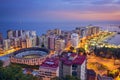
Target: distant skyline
[[59, 11]]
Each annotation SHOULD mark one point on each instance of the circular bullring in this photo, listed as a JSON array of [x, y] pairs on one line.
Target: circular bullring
[[29, 56]]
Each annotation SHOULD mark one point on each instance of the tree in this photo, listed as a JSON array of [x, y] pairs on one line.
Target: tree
[[1, 63], [55, 78], [14, 72], [71, 49], [71, 78], [80, 50]]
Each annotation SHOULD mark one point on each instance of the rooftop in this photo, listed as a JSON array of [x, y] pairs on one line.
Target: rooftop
[[73, 58], [50, 63]]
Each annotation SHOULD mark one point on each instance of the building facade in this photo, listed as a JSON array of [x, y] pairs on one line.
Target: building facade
[[74, 39], [51, 42], [73, 65], [49, 68], [59, 44]]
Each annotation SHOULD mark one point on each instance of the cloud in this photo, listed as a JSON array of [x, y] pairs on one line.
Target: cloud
[[46, 10]]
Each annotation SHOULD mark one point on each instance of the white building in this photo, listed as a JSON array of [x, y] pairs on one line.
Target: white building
[[33, 33], [59, 44], [6, 44], [74, 39], [29, 42], [9, 34]]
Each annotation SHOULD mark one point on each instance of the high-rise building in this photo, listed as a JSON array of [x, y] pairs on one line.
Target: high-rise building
[[59, 44], [54, 32], [74, 65], [20, 33], [74, 39], [6, 44], [29, 42], [49, 68], [80, 31], [10, 34], [43, 40], [27, 34], [34, 43], [23, 44], [1, 38], [57, 31], [90, 30], [95, 30], [67, 36], [33, 33], [15, 33], [51, 42], [16, 42]]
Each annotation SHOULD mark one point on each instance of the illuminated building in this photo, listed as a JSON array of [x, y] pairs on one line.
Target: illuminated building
[[10, 34], [92, 30], [23, 44], [29, 56], [43, 40], [34, 41], [27, 34], [6, 44], [29, 42], [17, 42], [33, 33], [57, 31], [74, 65], [67, 36], [15, 33], [49, 68], [74, 39], [51, 42], [1, 38], [80, 31], [20, 32], [59, 44]]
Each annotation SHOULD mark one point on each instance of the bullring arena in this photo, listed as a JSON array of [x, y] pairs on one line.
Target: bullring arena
[[29, 56]]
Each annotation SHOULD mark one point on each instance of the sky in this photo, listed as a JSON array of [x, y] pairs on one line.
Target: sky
[[53, 11]]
